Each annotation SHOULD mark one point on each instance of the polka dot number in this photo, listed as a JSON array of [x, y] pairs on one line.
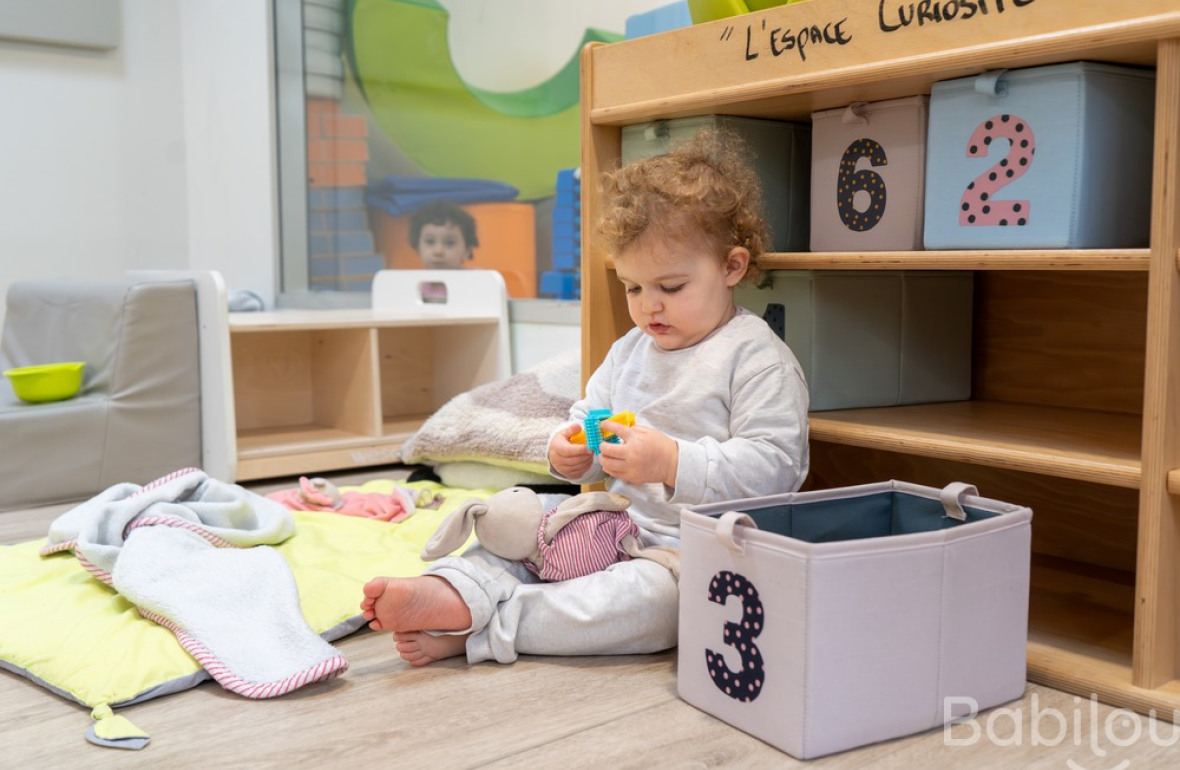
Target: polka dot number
[[745, 684], [973, 209]]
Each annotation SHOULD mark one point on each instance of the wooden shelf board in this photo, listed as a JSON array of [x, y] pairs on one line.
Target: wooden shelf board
[[402, 426], [875, 67], [1174, 481], [1080, 635], [1124, 260], [319, 320], [1100, 447], [1084, 675], [1012, 259], [269, 442]]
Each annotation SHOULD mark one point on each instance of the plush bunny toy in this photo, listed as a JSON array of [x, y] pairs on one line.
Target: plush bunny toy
[[583, 534]]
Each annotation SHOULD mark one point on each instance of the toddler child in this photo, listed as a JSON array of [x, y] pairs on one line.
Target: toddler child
[[721, 413], [443, 235]]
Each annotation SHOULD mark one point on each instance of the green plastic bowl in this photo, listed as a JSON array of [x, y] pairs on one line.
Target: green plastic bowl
[[48, 382]]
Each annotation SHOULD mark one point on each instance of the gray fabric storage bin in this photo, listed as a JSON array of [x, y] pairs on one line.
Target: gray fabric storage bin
[[868, 165], [781, 156], [879, 338], [822, 621]]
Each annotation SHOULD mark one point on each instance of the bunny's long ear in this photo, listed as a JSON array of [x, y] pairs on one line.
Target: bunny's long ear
[[454, 530]]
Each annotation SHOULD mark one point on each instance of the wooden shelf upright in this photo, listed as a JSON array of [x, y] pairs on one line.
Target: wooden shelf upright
[[1095, 453]]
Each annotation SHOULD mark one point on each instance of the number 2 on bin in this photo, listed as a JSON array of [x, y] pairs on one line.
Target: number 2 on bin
[[978, 206], [746, 684]]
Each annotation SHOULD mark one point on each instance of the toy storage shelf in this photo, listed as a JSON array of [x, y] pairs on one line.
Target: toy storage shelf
[[324, 390], [1013, 259], [1071, 443], [1076, 369]]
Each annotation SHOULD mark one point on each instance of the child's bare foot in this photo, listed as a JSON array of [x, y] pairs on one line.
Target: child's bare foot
[[419, 648], [425, 603]]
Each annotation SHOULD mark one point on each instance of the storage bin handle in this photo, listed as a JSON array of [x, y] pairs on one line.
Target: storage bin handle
[[855, 114], [725, 524], [951, 497], [991, 83]]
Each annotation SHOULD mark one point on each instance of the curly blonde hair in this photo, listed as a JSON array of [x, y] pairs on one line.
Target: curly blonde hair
[[704, 187]]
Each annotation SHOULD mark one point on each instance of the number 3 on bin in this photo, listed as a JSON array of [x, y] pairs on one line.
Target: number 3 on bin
[[743, 685]]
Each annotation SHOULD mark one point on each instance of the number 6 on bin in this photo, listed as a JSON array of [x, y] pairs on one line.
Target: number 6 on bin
[[743, 685]]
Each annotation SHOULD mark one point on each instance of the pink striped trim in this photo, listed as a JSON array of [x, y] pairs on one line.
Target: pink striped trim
[[322, 671], [169, 521], [66, 546], [165, 479], [94, 569]]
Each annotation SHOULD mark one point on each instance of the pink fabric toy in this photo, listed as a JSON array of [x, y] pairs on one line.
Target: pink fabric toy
[[591, 542], [322, 495]]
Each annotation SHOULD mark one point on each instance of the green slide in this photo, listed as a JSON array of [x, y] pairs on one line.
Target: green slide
[[398, 50]]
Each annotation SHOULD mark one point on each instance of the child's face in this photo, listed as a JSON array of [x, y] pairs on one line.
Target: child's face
[[678, 293], [442, 247]]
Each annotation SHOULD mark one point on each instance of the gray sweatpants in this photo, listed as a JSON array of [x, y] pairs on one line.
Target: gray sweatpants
[[628, 608]]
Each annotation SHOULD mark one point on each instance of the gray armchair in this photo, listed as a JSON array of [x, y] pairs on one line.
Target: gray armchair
[[139, 413]]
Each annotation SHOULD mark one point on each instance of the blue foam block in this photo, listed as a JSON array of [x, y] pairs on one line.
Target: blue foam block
[[354, 242], [336, 197], [662, 19], [338, 219]]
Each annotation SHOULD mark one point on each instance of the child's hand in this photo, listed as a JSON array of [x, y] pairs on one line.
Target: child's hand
[[570, 460], [645, 456]]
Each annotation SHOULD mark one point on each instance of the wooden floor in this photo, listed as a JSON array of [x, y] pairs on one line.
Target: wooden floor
[[539, 712]]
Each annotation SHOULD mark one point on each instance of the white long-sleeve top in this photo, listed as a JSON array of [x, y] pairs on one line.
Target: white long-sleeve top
[[735, 402]]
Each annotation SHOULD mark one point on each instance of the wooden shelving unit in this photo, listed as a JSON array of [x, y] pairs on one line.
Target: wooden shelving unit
[[1076, 381], [318, 390]]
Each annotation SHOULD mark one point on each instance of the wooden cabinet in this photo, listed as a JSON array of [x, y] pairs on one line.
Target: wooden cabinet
[[1075, 405], [319, 390]]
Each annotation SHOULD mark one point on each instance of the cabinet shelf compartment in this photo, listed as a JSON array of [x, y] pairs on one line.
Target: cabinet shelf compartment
[[1012, 259], [423, 368], [1071, 443], [302, 393]]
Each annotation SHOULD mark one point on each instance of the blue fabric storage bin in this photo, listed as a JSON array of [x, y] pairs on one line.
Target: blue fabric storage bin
[[662, 19], [1071, 168], [783, 163], [879, 338]]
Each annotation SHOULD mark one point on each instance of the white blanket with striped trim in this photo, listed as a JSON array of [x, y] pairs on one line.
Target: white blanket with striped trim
[[188, 551]]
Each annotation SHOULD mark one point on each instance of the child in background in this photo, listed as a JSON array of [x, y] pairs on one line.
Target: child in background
[[721, 413], [443, 235]]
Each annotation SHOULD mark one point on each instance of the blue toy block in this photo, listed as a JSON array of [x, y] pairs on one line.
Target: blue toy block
[[323, 267], [566, 260], [361, 265], [561, 284], [567, 215], [320, 198], [568, 230], [662, 19], [338, 219], [594, 430], [567, 181], [352, 242], [358, 283]]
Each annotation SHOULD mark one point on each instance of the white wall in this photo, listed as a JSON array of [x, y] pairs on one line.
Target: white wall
[[158, 154], [506, 45], [227, 80], [93, 171]]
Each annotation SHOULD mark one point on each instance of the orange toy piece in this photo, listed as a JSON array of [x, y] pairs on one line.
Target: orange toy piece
[[622, 418]]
